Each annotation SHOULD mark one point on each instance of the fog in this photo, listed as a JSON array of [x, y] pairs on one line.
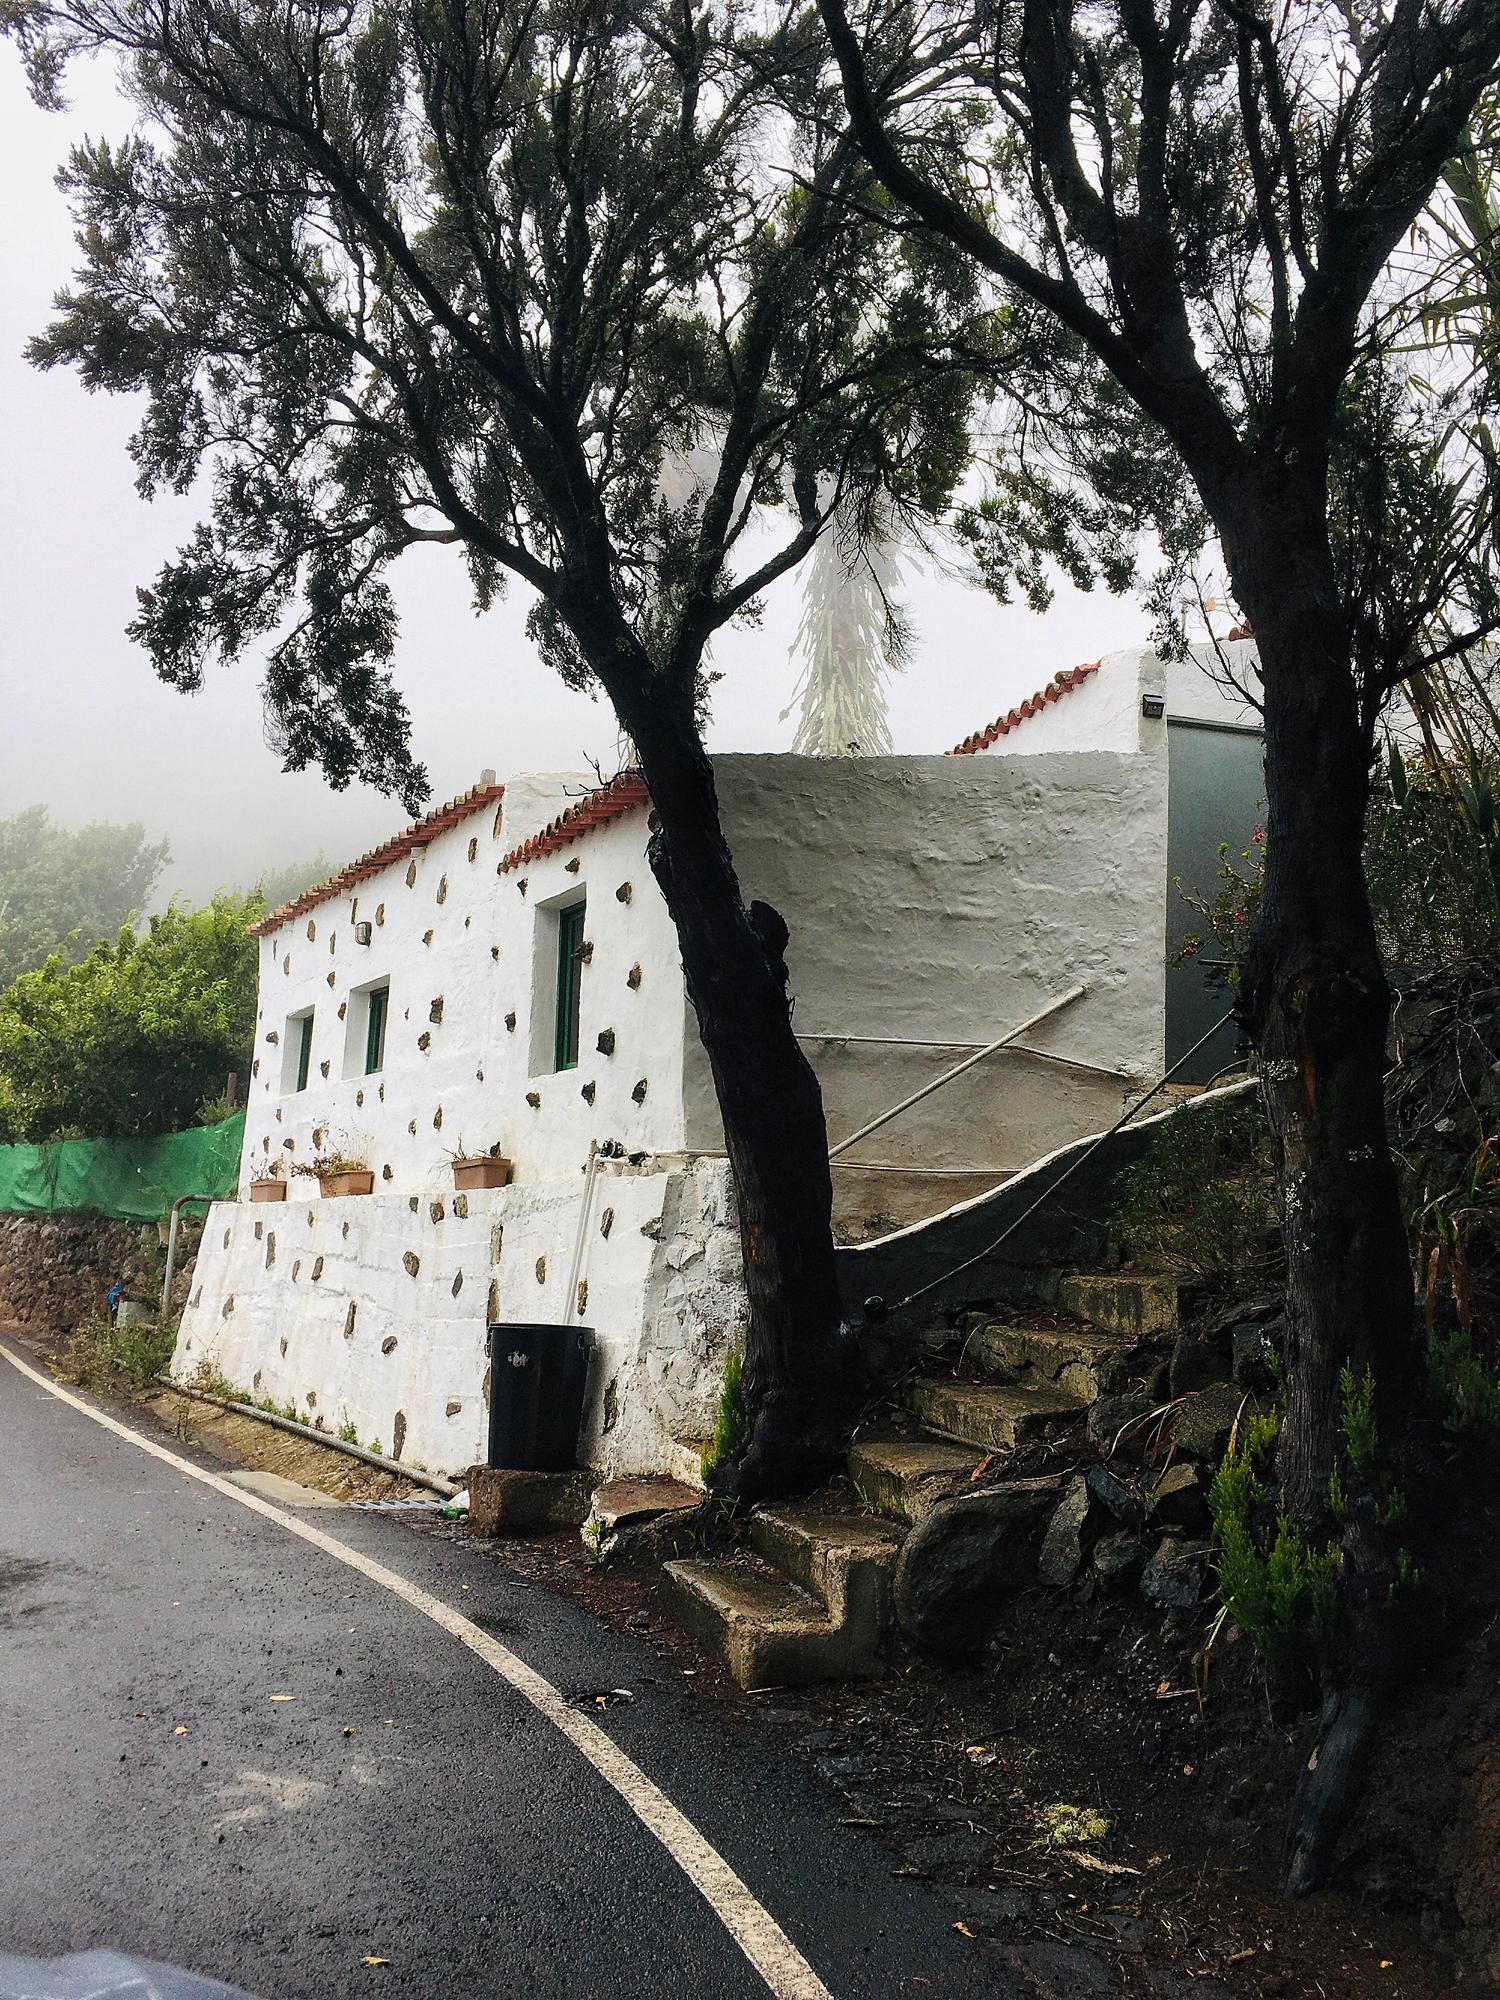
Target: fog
[[87, 729]]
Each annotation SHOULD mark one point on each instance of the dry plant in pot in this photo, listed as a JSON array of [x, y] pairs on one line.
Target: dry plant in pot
[[490, 1169], [268, 1182], [338, 1173]]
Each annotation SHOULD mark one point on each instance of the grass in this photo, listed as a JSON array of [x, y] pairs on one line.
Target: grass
[[731, 1422], [102, 1353]]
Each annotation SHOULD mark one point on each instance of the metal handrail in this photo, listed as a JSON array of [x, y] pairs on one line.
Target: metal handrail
[[1021, 1028]]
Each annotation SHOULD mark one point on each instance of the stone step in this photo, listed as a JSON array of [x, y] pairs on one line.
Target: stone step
[[1079, 1360], [770, 1632], [901, 1477], [987, 1414], [1140, 1306], [845, 1559]]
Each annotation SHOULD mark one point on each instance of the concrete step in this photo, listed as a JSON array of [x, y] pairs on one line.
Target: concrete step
[[845, 1559], [987, 1414], [1142, 1307], [770, 1632], [901, 1477], [1079, 1360]]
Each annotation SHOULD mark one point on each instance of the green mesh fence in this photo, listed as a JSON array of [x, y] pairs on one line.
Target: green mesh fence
[[136, 1179]]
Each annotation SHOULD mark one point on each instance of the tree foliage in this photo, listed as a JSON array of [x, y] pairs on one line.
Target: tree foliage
[[135, 1036], [529, 280], [852, 637], [62, 889]]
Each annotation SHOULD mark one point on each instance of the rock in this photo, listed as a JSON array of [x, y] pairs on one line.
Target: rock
[[507, 1502], [1178, 1499], [624, 1503], [1173, 1578], [1112, 1414], [1118, 1559], [1202, 1426], [1257, 1351], [1199, 1360], [1113, 1495], [964, 1558], [1046, 1971], [1067, 1539]]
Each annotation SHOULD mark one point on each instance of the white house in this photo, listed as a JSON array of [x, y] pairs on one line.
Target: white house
[[503, 974]]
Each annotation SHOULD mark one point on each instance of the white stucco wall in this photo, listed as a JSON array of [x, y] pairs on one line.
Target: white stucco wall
[[470, 958], [1104, 711], [946, 900], [933, 903], [371, 1311]]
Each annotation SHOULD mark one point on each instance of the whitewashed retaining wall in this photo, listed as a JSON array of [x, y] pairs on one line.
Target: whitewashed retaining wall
[[372, 1310]]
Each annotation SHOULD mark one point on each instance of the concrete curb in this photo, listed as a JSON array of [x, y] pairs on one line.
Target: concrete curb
[[432, 1480]]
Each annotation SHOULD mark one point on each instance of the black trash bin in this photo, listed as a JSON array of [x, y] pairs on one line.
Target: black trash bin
[[538, 1375]]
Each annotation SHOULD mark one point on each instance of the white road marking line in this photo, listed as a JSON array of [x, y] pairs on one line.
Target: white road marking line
[[753, 1928]]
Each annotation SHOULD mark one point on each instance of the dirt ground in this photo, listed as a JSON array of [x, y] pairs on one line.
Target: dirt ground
[[1099, 1830]]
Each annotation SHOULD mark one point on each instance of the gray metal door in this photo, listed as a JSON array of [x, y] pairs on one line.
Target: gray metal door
[[1215, 793]]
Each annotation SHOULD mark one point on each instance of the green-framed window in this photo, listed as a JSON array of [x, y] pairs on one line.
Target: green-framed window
[[377, 1008], [304, 1050], [569, 986]]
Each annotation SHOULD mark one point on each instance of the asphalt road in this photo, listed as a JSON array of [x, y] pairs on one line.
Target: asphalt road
[[406, 1804]]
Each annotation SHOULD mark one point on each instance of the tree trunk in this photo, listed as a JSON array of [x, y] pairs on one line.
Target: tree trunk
[[802, 1378], [1315, 1000]]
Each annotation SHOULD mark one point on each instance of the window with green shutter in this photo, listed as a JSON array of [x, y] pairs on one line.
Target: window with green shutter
[[304, 1050], [378, 1005], [569, 986]]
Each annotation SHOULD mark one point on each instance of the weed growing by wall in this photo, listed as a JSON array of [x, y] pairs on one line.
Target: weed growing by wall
[[1202, 1201]]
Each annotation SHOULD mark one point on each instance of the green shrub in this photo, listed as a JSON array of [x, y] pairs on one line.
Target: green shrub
[[103, 1353], [1202, 1200], [1465, 1388], [732, 1423], [1279, 1591]]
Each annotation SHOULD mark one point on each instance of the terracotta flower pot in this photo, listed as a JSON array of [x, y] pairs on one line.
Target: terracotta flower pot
[[357, 1180], [486, 1173], [272, 1188]]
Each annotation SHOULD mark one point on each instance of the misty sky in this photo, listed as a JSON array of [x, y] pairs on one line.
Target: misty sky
[[87, 729]]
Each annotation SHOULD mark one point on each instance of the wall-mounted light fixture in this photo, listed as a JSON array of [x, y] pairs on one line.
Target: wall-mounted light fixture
[[363, 932], [1153, 706]]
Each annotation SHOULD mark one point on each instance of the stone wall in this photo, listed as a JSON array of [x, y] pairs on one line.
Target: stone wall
[[55, 1269]]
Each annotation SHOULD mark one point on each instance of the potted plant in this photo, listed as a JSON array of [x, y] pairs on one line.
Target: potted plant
[[269, 1183], [489, 1169], [339, 1173]]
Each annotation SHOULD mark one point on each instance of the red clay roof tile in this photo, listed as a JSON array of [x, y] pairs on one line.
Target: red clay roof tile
[[623, 794], [1056, 688], [418, 834]]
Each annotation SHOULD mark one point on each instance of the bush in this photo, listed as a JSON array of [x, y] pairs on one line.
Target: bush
[[1432, 858], [139, 1034], [1202, 1201], [1279, 1591], [1465, 1388], [103, 1353]]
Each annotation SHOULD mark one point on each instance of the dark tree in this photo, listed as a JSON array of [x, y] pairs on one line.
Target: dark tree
[[558, 282], [1207, 199], [62, 889]]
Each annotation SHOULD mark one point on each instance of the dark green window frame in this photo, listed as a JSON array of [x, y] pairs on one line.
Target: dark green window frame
[[304, 1050], [377, 1008], [569, 986]]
